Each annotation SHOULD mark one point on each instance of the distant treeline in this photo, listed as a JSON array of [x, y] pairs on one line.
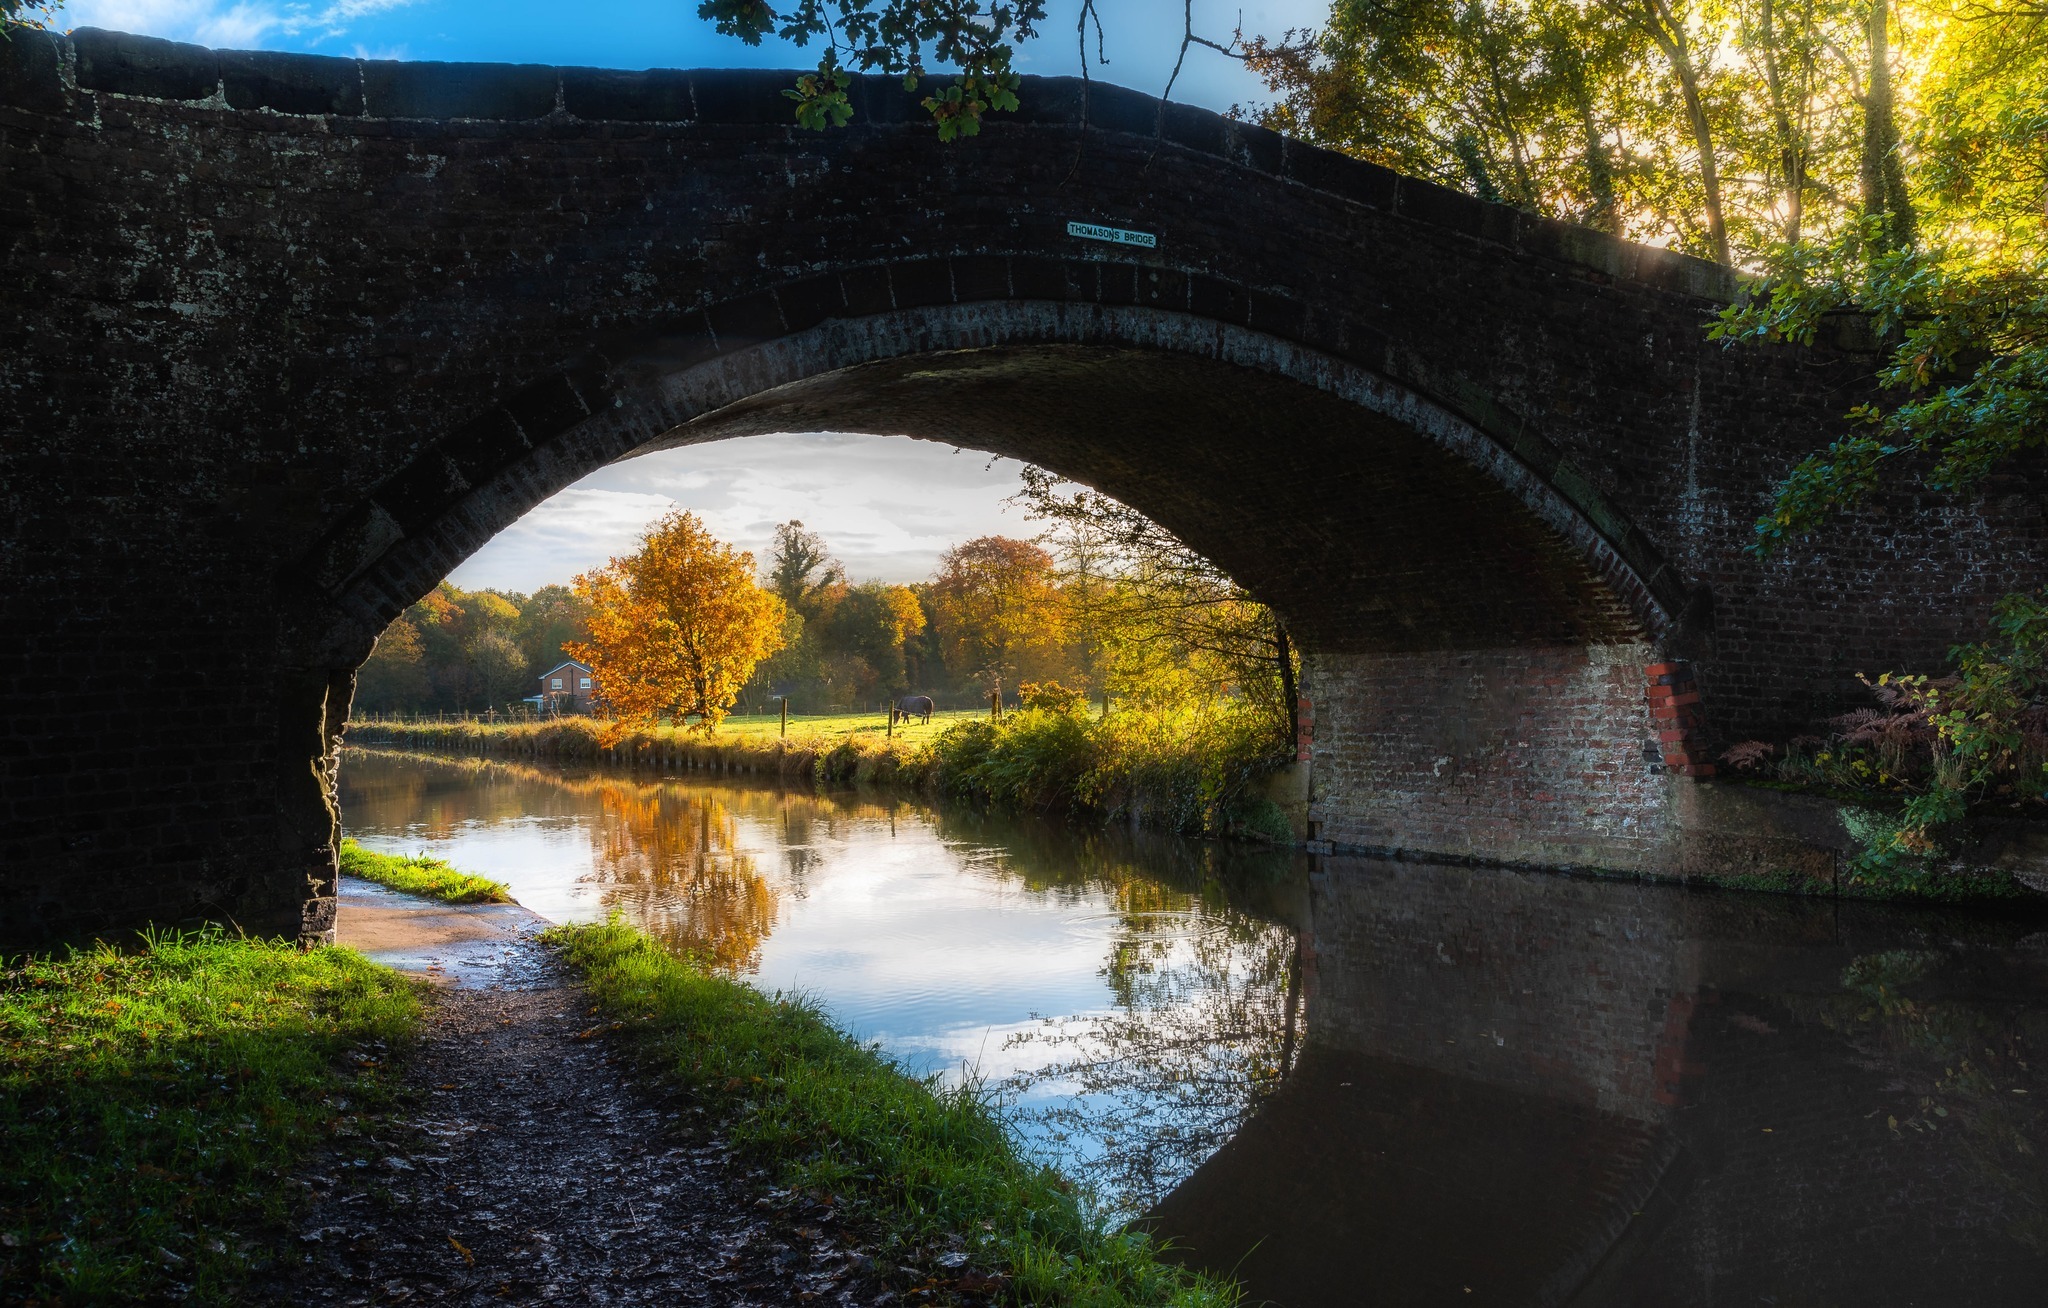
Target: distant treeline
[[1103, 602], [467, 651]]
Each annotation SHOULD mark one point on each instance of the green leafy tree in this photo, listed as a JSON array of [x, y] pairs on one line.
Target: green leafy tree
[[1160, 621], [801, 570], [494, 669], [1724, 127], [1963, 313], [995, 605], [877, 623], [1505, 101], [394, 679], [549, 620], [1956, 287], [897, 38]]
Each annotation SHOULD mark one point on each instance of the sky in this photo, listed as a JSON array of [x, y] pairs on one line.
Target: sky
[[887, 506], [1141, 36]]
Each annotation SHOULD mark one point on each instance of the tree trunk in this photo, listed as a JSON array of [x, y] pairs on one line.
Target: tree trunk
[[1289, 692], [1703, 140], [1883, 172], [1791, 150], [1667, 31], [1605, 215]]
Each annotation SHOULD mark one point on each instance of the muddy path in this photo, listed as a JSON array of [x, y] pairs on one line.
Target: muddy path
[[529, 1167]]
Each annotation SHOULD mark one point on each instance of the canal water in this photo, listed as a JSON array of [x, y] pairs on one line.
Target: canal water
[[1353, 1081]]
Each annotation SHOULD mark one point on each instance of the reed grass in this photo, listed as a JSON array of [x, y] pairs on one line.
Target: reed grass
[[1197, 770], [805, 757]]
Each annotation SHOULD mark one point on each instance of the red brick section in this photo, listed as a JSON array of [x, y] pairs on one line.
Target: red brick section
[[1679, 721]]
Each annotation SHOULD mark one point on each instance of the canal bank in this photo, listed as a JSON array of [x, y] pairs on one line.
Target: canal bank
[[524, 1165], [1724, 832], [1194, 770], [595, 1117], [155, 1102]]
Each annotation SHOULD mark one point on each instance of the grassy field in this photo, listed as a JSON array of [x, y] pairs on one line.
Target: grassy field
[[753, 728], [840, 726], [154, 1103], [919, 1164], [421, 874]]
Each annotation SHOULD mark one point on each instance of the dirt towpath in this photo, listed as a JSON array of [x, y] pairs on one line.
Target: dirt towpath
[[529, 1169]]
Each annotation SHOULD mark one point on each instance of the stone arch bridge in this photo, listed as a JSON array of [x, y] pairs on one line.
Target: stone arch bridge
[[288, 337]]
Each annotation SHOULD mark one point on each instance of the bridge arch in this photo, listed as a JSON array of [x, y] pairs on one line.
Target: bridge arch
[[1422, 565], [1106, 394]]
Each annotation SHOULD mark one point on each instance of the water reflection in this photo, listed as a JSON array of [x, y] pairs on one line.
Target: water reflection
[[1123, 994], [1380, 1083], [1527, 1090]]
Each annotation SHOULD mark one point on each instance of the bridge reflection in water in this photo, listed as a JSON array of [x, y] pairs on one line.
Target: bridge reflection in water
[[1361, 1081], [1529, 1090]]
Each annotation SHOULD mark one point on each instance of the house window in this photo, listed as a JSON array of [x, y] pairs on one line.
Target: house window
[[583, 682], [555, 684]]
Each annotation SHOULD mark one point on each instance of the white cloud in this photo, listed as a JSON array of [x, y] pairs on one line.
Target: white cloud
[[240, 25], [888, 506]]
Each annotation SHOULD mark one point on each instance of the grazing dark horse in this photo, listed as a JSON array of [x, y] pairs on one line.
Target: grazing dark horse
[[914, 706]]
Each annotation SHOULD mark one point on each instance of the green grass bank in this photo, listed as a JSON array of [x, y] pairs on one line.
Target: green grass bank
[[154, 1103], [919, 1164], [421, 874], [1197, 771]]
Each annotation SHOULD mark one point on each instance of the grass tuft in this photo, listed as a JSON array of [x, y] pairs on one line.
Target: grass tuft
[[921, 1164], [422, 874], [153, 1104]]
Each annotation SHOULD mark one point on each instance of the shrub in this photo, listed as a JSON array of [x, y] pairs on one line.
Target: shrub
[[1051, 696], [1192, 770], [1933, 752]]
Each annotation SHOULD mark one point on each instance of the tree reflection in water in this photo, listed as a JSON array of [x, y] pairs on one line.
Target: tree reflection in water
[[1131, 1088], [673, 864], [1202, 1032], [669, 857], [1206, 988]]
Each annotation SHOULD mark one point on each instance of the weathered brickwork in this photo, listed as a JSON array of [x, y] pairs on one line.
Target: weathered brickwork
[[1535, 755], [288, 337]]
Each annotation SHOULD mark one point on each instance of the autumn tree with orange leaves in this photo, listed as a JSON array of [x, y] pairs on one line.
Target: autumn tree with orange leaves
[[995, 606], [676, 628]]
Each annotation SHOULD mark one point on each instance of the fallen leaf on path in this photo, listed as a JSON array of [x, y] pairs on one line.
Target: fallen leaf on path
[[467, 1256]]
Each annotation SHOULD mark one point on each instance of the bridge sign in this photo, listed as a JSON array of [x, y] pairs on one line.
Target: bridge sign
[[1114, 235]]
